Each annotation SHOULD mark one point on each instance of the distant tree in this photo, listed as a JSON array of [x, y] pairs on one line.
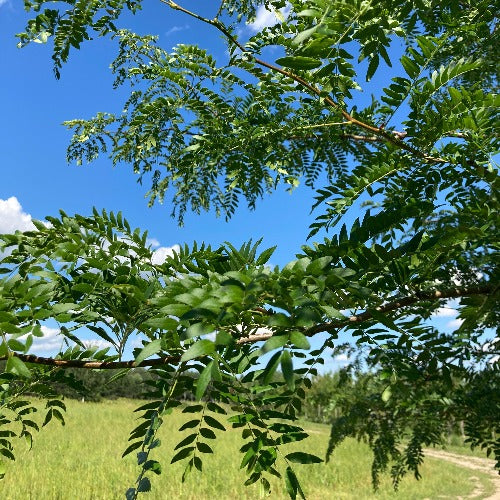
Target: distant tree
[[96, 385], [320, 403], [360, 404], [417, 164]]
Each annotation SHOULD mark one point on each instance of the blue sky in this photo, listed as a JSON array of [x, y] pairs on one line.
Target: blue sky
[[36, 180], [34, 169]]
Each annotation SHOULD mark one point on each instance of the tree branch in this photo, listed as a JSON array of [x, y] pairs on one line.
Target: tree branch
[[321, 327], [403, 302], [362, 138], [378, 131]]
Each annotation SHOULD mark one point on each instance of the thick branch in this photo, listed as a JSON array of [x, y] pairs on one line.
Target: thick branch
[[362, 138], [330, 326], [400, 303], [380, 132]]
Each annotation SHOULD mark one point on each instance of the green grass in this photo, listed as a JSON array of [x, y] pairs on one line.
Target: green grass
[[83, 461]]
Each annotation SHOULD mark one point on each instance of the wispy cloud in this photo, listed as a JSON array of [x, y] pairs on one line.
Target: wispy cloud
[[4, 2], [342, 358], [444, 312], [447, 311], [161, 253], [265, 18], [99, 343], [491, 346], [454, 323], [175, 29], [153, 242], [256, 331], [50, 342]]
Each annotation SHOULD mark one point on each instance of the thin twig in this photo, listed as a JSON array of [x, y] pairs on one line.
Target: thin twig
[[388, 136]]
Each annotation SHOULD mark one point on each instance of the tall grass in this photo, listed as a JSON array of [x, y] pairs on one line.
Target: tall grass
[[83, 461]]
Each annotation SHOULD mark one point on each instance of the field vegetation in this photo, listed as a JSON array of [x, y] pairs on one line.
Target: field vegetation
[[85, 463]]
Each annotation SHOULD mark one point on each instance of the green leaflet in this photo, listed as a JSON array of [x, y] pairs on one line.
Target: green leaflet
[[162, 323], [184, 453], [299, 62], [18, 367], [149, 349], [287, 369], [200, 348], [303, 458], [271, 367], [299, 340], [275, 342], [304, 35], [203, 380], [292, 484]]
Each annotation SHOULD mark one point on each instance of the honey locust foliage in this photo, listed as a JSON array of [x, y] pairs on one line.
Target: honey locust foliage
[[416, 165]]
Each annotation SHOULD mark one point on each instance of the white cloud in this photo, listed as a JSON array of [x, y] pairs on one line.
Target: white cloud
[[51, 340], [342, 358], [4, 2], [137, 342], [12, 216], [265, 18], [444, 312], [161, 253], [447, 311], [175, 29], [152, 242], [99, 343], [491, 346], [257, 331], [457, 277], [454, 323], [211, 336]]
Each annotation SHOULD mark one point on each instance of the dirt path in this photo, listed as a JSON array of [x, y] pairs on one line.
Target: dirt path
[[474, 463]]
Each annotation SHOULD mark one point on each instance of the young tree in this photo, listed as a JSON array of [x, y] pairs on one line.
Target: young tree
[[417, 164]]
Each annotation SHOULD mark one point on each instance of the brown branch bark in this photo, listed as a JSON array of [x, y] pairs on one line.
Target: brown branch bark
[[403, 302], [362, 138], [321, 327]]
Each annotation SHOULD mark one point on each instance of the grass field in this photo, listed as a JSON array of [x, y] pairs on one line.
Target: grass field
[[83, 461]]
